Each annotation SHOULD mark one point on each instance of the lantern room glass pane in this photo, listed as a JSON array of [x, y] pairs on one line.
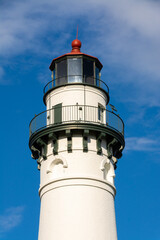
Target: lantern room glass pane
[[97, 77], [61, 76], [74, 70], [88, 71]]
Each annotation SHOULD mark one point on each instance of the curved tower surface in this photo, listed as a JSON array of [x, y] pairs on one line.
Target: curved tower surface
[[77, 142]]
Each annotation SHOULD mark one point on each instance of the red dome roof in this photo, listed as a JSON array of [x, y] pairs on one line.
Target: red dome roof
[[76, 45]]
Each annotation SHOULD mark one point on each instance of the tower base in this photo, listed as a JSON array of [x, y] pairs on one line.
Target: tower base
[[83, 210]]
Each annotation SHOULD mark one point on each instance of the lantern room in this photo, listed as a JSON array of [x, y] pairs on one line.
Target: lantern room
[[76, 67]]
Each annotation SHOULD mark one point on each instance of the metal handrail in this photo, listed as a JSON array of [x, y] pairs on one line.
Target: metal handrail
[[57, 82], [76, 114]]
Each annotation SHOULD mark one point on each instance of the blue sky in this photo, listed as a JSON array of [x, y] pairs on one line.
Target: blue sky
[[125, 36]]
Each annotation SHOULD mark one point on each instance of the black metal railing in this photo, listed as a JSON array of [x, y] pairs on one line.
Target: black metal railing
[[71, 79], [76, 114]]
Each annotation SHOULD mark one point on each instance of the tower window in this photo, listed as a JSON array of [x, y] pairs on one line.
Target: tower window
[[100, 112], [57, 113]]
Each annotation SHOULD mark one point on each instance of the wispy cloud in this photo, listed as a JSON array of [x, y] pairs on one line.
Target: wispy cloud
[[127, 34], [141, 144], [10, 219], [130, 33]]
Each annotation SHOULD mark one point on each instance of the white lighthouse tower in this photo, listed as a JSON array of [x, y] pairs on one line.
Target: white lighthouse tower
[[77, 142]]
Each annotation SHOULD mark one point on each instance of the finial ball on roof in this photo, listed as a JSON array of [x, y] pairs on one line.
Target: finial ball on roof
[[76, 45]]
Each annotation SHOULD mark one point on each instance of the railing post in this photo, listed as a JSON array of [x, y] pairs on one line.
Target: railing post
[[77, 110]]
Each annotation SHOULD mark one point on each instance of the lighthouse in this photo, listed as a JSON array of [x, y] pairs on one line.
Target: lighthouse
[[77, 142]]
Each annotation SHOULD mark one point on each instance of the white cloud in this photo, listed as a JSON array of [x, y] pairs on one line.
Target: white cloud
[[124, 34], [143, 16], [24, 21], [10, 219], [141, 144], [135, 35]]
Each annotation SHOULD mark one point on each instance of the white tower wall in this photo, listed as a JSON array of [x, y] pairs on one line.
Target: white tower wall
[[73, 94], [77, 208], [77, 189]]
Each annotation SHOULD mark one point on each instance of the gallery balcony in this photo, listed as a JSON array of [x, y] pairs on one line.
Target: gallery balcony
[[77, 117]]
